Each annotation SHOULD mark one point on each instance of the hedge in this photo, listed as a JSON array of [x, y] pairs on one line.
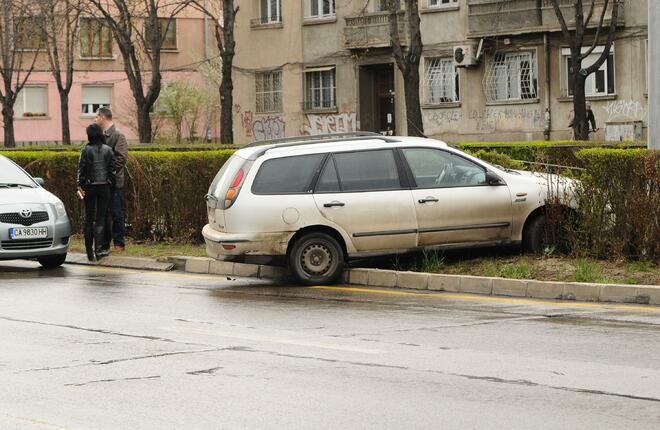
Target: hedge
[[164, 192]]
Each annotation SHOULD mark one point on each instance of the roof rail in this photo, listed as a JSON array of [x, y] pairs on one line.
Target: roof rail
[[313, 138]]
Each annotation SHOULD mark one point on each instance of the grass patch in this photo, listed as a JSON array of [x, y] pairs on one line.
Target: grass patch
[[639, 266], [431, 261], [148, 249], [587, 271], [522, 270]]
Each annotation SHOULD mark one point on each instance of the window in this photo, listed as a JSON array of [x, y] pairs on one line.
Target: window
[[94, 97], [321, 9], [95, 38], [271, 11], [32, 102], [511, 76], [433, 168], [269, 91], [320, 88], [28, 33], [367, 171], [441, 3], [599, 83], [381, 5], [328, 181], [287, 175], [441, 81], [167, 33]]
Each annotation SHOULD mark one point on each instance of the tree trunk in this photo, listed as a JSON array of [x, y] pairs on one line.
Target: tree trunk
[[226, 106], [580, 123], [8, 119], [144, 124], [413, 108], [64, 113]]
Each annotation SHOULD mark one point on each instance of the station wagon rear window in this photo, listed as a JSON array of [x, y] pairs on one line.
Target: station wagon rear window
[[287, 175]]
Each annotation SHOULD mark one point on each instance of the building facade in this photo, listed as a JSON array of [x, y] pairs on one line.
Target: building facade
[[491, 70], [99, 80]]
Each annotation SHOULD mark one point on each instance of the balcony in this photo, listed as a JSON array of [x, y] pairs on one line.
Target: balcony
[[513, 17], [372, 30]]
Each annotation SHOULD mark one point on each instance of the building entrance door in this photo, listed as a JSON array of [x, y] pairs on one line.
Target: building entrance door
[[377, 99]]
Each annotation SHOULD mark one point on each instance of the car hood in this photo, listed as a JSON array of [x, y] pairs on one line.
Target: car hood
[[13, 196]]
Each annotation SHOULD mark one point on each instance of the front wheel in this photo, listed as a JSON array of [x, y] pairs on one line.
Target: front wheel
[[52, 261], [316, 258], [534, 236]]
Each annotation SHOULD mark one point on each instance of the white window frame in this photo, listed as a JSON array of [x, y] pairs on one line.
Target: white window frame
[[89, 109], [21, 102], [267, 16], [323, 102], [440, 4], [441, 86], [319, 5], [268, 91], [512, 77], [590, 89]]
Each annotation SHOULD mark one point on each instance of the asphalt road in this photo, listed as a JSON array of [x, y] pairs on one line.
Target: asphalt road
[[95, 348]]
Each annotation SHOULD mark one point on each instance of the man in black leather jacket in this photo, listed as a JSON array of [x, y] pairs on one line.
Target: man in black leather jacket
[[96, 176]]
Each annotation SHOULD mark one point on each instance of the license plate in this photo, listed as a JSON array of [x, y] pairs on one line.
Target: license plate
[[28, 233]]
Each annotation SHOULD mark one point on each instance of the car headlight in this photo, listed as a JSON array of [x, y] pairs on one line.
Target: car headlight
[[59, 208]]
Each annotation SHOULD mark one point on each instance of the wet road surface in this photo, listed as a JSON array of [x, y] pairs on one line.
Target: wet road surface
[[98, 348]]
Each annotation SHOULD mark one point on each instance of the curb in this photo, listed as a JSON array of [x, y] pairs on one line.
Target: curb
[[121, 262], [210, 266]]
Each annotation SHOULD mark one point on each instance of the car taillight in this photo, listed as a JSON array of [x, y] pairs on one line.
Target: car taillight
[[234, 188]]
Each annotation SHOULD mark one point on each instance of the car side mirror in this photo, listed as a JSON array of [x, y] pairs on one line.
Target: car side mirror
[[493, 179], [40, 181]]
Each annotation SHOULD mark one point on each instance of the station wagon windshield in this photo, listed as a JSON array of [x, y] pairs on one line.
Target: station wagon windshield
[[13, 177]]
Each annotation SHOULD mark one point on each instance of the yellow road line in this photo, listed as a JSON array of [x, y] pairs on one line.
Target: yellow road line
[[477, 298]]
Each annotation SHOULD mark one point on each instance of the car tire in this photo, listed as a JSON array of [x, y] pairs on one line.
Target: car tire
[[52, 261], [316, 259], [534, 236]]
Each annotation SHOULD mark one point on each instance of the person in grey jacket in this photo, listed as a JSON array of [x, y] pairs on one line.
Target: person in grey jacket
[[96, 175], [115, 222]]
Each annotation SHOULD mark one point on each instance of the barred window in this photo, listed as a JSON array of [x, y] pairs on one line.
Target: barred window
[[269, 91], [320, 88], [511, 76], [441, 81]]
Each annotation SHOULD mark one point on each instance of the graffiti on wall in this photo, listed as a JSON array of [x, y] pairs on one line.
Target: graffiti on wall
[[343, 122], [624, 110], [487, 119], [261, 127]]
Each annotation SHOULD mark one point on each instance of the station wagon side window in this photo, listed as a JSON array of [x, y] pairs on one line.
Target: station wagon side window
[[328, 181], [287, 175], [367, 171], [434, 168]]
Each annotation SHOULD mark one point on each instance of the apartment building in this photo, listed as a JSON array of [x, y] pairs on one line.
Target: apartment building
[[99, 79], [491, 70]]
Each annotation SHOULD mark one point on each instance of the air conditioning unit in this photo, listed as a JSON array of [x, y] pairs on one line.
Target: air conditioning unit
[[466, 56]]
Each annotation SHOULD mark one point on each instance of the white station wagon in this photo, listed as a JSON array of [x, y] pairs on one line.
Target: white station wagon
[[320, 200]]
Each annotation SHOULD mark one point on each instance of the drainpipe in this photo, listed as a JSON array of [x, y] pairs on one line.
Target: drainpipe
[[548, 70], [206, 57]]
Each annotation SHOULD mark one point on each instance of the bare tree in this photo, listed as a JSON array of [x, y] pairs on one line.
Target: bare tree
[[136, 27], [408, 60], [576, 41], [60, 36], [19, 45], [224, 19]]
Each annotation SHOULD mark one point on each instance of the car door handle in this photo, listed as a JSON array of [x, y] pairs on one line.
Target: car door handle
[[333, 204], [428, 200]]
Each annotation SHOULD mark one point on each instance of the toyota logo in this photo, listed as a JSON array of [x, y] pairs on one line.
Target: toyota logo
[[26, 213]]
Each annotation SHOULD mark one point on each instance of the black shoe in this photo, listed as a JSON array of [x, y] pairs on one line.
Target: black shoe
[[90, 256], [102, 253]]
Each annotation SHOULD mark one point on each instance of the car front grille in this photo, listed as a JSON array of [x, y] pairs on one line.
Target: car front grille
[[21, 245], [16, 218]]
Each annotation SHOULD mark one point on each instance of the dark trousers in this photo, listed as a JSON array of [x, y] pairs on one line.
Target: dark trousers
[[97, 198], [114, 223]]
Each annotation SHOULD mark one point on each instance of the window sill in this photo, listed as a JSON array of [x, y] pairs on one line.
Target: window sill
[[588, 98], [265, 26], [439, 9], [29, 118], [113, 58], [513, 102], [319, 21], [321, 110], [88, 115], [447, 105], [167, 50], [269, 112]]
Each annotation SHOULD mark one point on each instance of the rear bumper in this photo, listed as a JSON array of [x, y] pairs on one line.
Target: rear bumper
[[61, 231], [245, 244]]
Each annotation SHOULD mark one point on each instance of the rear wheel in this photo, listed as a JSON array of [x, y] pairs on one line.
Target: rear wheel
[[534, 236], [316, 258], [52, 261]]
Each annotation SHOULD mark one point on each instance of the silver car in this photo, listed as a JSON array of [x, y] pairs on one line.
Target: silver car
[[33, 222]]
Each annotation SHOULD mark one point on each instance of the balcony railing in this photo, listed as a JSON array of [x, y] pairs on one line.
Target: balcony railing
[[372, 30], [510, 17]]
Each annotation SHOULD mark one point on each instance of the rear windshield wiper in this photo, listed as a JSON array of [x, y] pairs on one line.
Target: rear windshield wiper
[[11, 185]]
